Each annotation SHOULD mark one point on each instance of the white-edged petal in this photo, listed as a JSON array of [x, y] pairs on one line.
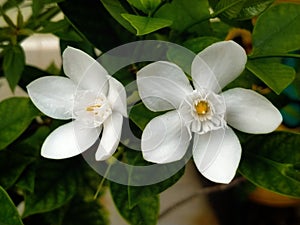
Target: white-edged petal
[[250, 112], [165, 138], [217, 154], [117, 96], [84, 70], [162, 85], [218, 65], [112, 128], [69, 140], [53, 95]]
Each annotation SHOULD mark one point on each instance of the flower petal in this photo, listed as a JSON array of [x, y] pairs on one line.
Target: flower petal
[[84, 70], [218, 65], [117, 96], [165, 138], [69, 140], [217, 154], [250, 112], [110, 136], [53, 95], [162, 85]]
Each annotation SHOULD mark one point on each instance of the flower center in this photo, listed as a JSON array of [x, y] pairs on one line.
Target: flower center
[[203, 111], [202, 107], [91, 109]]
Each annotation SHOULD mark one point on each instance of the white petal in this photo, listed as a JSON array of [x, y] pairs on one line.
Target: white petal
[[117, 96], [162, 86], [84, 70], [217, 154], [110, 136], [165, 138], [218, 65], [250, 112], [53, 95], [69, 140]]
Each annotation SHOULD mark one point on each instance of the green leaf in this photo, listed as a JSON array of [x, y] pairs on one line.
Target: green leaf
[[16, 114], [115, 8], [276, 30], [37, 6], [143, 213], [146, 25], [198, 44], [253, 8], [140, 115], [52, 27], [147, 6], [8, 213], [10, 4], [272, 161], [13, 64], [184, 14], [95, 23], [12, 166], [275, 75], [241, 10], [55, 185], [85, 212], [18, 163], [137, 194], [26, 181]]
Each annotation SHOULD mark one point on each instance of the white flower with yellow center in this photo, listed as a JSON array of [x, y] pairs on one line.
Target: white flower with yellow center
[[202, 110], [91, 97]]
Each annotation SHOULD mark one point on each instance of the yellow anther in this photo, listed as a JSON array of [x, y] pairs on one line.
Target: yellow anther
[[202, 107], [92, 107]]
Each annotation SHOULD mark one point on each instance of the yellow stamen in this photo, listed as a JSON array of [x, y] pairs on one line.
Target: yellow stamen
[[202, 107], [92, 107]]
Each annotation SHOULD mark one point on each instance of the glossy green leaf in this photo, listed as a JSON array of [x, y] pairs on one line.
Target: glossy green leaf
[[115, 8], [145, 25], [276, 30], [184, 14], [253, 8], [16, 114], [275, 75], [140, 115], [242, 9], [55, 185], [272, 161], [147, 6], [8, 213], [143, 213], [198, 44], [12, 165], [13, 64]]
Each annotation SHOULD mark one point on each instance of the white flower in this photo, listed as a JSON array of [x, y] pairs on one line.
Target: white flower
[[202, 111], [89, 96]]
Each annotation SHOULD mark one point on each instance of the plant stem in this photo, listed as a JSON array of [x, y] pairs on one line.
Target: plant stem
[[102, 181]]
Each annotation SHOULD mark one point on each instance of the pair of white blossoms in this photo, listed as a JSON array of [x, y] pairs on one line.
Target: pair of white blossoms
[[95, 101]]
